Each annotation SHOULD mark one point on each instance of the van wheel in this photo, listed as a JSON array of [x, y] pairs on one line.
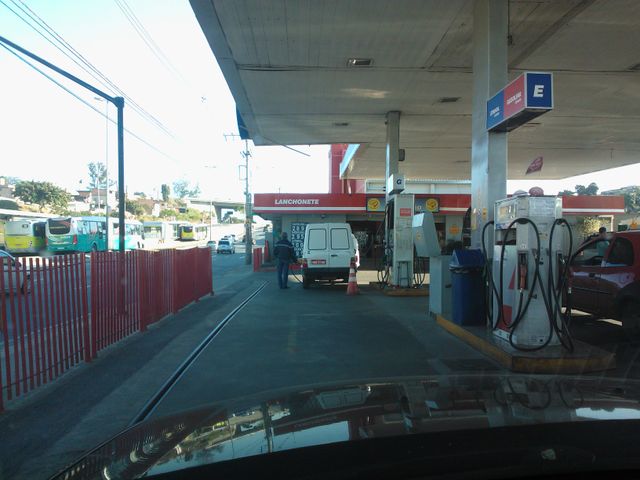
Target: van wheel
[[94, 248], [306, 282], [631, 319]]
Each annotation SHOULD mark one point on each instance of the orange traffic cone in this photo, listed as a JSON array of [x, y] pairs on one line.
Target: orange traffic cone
[[352, 287]]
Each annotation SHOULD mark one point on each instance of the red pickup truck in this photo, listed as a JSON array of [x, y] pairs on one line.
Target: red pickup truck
[[605, 278]]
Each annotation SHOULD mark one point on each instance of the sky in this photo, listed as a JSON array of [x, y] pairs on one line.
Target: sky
[[47, 134]]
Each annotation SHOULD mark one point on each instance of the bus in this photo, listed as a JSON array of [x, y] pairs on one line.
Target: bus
[[133, 237], [194, 232], [3, 224], [176, 226], [157, 233], [25, 236], [87, 234]]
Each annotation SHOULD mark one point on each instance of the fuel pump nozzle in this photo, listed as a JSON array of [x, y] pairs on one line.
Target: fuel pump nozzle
[[523, 270]]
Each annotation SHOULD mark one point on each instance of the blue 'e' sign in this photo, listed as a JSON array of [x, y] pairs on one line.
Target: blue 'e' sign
[[539, 93]]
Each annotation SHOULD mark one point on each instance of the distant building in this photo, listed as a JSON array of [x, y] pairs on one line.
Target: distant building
[[6, 190]]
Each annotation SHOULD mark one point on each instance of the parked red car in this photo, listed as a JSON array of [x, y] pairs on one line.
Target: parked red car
[[605, 278]]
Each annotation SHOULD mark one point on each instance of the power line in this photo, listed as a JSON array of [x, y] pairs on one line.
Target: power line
[[51, 31], [92, 107], [146, 37], [86, 65]]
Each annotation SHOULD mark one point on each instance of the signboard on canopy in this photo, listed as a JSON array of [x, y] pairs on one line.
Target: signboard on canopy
[[525, 98]]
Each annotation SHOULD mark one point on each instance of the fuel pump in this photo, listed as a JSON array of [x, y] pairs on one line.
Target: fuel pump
[[399, 238], [528, 280]]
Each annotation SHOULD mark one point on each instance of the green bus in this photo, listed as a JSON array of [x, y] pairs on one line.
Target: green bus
[[87, 234]]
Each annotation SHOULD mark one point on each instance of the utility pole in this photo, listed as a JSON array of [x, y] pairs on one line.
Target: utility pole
[[106, 172], [248, 222], [248, 211], [210, 209]]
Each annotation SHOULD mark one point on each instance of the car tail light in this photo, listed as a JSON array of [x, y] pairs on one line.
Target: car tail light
[[75, 239]]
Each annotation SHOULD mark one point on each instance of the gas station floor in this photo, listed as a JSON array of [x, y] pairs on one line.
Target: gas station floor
[[295, 337]]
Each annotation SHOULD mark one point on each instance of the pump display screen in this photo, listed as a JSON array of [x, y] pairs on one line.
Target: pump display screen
[[505, 214]]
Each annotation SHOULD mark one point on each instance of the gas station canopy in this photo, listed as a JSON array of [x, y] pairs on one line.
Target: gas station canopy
[[322, 72]]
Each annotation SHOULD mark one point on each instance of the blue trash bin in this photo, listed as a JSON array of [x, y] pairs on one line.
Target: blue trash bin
[[468, 296]]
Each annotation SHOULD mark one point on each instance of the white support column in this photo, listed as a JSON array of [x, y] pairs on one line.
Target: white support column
[[401, 237], [488, 150], [393, 144]]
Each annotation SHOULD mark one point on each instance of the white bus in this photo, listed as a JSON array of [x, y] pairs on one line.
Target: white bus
[[157, 234], [132, 235]]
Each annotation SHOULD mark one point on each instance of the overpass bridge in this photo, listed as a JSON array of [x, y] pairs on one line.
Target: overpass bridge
[[207, 204]]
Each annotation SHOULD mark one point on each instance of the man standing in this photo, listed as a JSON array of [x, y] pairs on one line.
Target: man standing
[[603, 245], [285, 254]]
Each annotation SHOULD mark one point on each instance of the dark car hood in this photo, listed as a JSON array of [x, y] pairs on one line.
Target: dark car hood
[[317, 415]]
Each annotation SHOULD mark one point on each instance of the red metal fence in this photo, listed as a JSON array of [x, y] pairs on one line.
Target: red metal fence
[[45, 324]]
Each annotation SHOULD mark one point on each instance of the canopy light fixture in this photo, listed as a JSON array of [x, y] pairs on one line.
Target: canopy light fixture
[[340, 124], [359, 62], [448, 99]]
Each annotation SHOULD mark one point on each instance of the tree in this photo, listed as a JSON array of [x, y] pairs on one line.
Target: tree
[[97, 175], [591, 189], [182, 188], [632, 199], [589, 225], [43, 194], [566, 193], [167, 213], [134, 208], [166, 192]]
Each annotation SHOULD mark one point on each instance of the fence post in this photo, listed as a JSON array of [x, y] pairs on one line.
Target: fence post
[[210, 270], [88, 351], [142, 276], [174, 284], [195, 279], [5, 340], [94, 304]]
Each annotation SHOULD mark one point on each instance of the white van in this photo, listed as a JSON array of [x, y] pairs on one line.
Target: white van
[[327, 253]]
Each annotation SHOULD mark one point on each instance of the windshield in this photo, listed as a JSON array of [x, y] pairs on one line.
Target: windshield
[[153, 231], [249, 227], [59, 226]]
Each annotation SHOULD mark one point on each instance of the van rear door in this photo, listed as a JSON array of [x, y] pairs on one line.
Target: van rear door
[[317, 247], [340, 247]]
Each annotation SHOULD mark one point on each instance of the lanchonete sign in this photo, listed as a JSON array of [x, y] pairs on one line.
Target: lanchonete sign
[[297, 201]]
